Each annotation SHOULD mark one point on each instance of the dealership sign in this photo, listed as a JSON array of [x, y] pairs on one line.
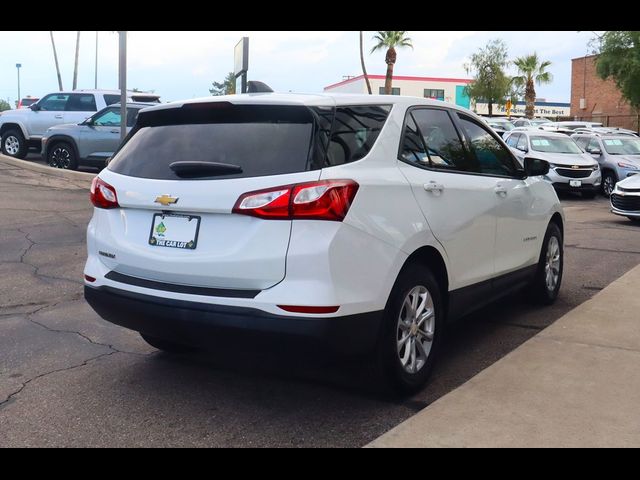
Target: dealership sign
[[540, 109]]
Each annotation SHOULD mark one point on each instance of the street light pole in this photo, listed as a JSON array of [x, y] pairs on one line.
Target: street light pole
[[18, 65], [96, 82], [123, 84]]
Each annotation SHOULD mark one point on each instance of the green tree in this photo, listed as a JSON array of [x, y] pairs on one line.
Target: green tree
[[227, 87], [390, 41], [4, 105], [619, 59], [531, 70], [490, 83]]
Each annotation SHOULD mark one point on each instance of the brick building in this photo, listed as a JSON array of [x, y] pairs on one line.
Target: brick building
[[598, 100]]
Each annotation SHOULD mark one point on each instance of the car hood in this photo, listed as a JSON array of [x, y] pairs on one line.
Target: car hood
[[582, 159], [630, 182], [22, 112]]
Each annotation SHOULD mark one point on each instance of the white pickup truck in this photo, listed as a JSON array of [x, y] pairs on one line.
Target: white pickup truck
[[23, 129]]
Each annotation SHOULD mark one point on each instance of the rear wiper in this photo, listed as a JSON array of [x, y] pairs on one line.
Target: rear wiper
[[204, 169]]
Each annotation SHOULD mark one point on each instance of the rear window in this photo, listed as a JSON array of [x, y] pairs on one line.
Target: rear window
[[26, 102], [110, 99], [261, 139], [145, 98]]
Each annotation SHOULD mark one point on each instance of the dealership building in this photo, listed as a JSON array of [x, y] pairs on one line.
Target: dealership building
[[449, 90]]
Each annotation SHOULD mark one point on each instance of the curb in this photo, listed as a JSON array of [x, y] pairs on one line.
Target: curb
[[80, 178]]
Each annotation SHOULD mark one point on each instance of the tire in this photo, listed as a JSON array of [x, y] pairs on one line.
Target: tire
[[14, 144], [166, 345], [589, 195], [393, 364], [545, 287], [62, 155], [609, 180]]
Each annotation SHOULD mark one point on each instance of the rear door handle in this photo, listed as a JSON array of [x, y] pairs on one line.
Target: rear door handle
[[434, 187], [115, 131], [58, 116]]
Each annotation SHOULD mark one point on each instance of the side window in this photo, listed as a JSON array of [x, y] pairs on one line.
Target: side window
[[582, 142], [492, 157], [594, 145], [522, 143], [394, 91], [54, 103], [413, 149], [355, 130], [512, 141], [444, 147], [132, 116], [109, 118], [110, 99], [519, 123], [79, 102]]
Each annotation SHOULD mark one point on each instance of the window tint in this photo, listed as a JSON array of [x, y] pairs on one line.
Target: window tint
[[110, 99], [413, 149], [81, 103], [512, 141], [492, 158], [355, 130], [522, 143], [394, 91], [132, 116], [54, 103], [261, 139], [444, 147]]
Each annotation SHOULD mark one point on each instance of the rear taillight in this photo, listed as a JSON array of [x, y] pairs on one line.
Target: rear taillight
[[321, 200], [103, 195]]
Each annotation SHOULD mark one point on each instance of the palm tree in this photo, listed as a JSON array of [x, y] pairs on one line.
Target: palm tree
[[364, 69], [531, 70], [55, 57], [390, 40]]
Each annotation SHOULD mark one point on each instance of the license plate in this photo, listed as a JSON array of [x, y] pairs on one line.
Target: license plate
[[174, 231], [575, 183]]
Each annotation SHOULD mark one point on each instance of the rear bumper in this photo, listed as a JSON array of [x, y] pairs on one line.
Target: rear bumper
[[200, 324]]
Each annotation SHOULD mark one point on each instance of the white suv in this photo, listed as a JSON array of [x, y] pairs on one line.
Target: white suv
[[23, 128], [367, 221]]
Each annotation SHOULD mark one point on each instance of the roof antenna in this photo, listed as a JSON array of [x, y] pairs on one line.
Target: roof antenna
[[253, 86]]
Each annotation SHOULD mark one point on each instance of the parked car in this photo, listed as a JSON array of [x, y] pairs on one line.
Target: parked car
[[569, 126], [500, 126], [365, 220], [606, 130], [618, 156], [27, 101], [571, 168], [23, 129], [530, 122], [625, 198], [88, 143]]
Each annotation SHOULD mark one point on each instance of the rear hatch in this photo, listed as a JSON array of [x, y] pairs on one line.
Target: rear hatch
[[175, 224]]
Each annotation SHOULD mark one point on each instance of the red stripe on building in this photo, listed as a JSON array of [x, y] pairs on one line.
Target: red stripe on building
[[400, 77]]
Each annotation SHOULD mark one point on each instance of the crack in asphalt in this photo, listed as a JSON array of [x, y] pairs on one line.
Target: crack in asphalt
[[609, 250], [23, 385]]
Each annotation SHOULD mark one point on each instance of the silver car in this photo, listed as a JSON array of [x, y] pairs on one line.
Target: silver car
[[618, 156], [571, 168], [625, 198], [88, 143]]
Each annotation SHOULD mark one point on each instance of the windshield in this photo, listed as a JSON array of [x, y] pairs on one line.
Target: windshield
[[622, 146], [554, 145]]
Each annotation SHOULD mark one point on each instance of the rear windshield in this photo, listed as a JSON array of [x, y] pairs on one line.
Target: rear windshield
[[261, 139], [26, 102], [554, 145]]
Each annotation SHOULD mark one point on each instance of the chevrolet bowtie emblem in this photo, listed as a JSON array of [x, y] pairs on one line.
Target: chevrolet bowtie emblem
[[166, 200], [575, 166]]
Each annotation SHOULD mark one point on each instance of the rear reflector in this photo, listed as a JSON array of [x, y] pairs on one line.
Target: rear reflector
[[89, 279], [321, 200], [305, 309]]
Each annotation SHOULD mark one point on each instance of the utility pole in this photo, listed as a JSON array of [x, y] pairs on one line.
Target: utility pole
[[96, 80], [123, 84], [18, 65]]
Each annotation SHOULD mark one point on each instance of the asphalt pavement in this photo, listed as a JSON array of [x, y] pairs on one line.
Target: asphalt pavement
[[67, 378]]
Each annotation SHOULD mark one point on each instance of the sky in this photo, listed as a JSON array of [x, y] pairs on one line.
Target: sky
[[182, 65]]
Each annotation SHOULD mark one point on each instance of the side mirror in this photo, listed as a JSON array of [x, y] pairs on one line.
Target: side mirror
[[523, 149], [534, 167], [594, 151], [35, 107]]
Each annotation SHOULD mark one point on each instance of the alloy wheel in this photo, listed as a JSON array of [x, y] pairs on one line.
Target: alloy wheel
[[415, 329], [12, 145], [60, 158], [552, 264]]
